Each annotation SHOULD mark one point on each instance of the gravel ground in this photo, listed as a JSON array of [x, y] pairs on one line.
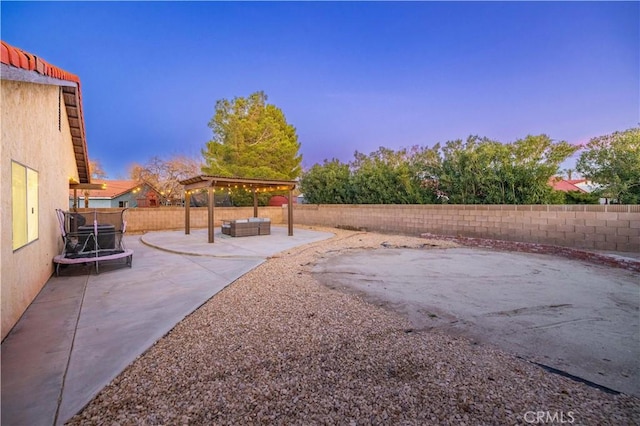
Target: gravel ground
[[276, 347]]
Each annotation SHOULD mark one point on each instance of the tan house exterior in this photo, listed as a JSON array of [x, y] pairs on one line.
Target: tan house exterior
[[42, 135]]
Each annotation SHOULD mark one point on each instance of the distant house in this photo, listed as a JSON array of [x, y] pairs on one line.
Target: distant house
[[584, 184], [44, 152], [577, 185], [564, 185], [119, 194]]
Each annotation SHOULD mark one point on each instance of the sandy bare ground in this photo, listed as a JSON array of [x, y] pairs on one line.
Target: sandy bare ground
[[277, 347]]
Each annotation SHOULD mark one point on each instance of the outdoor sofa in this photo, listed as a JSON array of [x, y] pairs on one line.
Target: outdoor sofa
[[247, 227]]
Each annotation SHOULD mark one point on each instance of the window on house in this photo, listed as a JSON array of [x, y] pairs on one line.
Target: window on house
[[123, 204], [24, 200]]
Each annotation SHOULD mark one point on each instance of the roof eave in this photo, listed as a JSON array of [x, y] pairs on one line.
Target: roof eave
[[18, 65]]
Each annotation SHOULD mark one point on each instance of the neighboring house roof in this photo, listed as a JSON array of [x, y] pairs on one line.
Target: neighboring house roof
[[114, 188], [585, 184], [19, 65], [560, 184]]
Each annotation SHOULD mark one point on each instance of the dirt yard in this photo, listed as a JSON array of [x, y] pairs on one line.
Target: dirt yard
[[279, 347]]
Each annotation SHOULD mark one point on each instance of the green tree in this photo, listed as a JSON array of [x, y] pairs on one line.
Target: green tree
[[475, 171], [329, 183], [464, 170], [426, 167], [536, 159], [251, 138], [385, 177], [576, 197], [382, 177], [613, 162], [483, 171]]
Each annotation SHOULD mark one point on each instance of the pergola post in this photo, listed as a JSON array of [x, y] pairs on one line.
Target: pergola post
[[187, 206], [85, 187], [290, 212], [211, 194], [255, 202]]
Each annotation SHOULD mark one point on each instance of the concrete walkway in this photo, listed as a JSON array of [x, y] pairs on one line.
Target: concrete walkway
[[84, 329]]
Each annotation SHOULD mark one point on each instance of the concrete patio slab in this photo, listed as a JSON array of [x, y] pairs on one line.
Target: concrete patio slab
[[84, 329], [196, 243]]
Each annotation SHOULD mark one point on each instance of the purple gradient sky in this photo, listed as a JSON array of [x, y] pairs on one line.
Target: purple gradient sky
[[349, 75]]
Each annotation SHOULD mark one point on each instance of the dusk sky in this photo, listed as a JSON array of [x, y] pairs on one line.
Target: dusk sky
[[348, 75]]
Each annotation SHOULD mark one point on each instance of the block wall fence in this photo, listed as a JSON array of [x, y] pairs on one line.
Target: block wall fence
[[600, 227], [143, 219]]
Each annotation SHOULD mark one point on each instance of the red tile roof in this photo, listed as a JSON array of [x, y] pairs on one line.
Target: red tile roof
[[114, 188], [560, 184], [18, 58]]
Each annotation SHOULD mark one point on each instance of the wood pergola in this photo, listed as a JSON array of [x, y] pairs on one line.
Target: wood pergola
[[83, 186], [211, 183]]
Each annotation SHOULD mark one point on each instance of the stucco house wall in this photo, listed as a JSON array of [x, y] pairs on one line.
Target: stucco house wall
[[30, 136], [43, 130]]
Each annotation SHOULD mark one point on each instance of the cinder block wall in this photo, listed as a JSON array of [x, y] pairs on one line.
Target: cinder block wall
[[611, 227], [143, 219], [608, 227]]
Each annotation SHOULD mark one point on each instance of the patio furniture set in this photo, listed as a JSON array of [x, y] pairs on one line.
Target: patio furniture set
[[247, 227]]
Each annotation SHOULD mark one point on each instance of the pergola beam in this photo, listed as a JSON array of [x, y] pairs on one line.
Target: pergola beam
[[204, 181], [86, 186]]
